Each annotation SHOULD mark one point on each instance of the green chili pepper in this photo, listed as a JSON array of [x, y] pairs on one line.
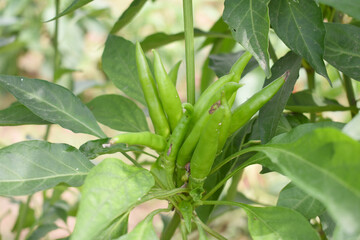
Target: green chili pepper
[[243, 113], [228, 89], [239, 66], [147, 139], [206, 149], [168, 95], [225, 124], [174, 73], [192, 139], [175, 142], [156, 111]]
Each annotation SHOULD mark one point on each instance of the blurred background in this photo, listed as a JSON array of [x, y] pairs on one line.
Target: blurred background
[[27, 49]]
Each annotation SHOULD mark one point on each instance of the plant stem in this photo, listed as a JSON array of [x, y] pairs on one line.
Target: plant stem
[[350, 94], [272, 52], [183, 230], [22, 218], [170, 228], [189, 50], [132, 160], [231, 193], [311, 84], [210, 231]]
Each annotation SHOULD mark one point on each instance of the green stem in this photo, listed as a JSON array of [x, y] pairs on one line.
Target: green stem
[[272, 53], [311, 85], [231, 193], [55, 41], [210, 231], [22, 218], [189, 50], [170, 228], [350, 94], [183, 230], [132, 160]]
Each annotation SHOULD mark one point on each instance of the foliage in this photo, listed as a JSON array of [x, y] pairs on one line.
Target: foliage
[[291, 135]]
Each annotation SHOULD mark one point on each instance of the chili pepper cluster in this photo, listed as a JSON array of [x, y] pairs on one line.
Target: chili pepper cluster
[[188, 138]]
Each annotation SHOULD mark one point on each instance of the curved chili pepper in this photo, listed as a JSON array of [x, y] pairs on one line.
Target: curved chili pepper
[[147, 139], [156, 111]]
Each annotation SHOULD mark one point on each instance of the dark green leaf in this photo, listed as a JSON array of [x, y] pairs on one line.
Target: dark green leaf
[[270, 113], [299, 25], [219, 46], [278, 223], [110, 189], [95, 148], [117, 229], [306, 101], [18, 114], [128, 15], [342, 48], [327, 171], [118, 112], [219, 26], [72, 7], [41, 231], [160, 39], [31, 166], [328, 225], [53, 103], [249, 24], [351, 7], [222, 63], [118, 62], [293, 197]]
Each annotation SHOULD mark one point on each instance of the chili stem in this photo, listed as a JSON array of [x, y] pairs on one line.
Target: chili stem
[[22, 218], [311, 85], [132, 160], [189, 50], [170, 228], [56, 41], [231, 192], [350, 94], [209, 230]]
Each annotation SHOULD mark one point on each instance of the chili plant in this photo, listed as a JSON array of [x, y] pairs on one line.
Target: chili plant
[[199, 145]]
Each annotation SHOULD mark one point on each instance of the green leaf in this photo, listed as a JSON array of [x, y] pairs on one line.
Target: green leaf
[[95, 148], [299, 25], [351, 7], [327, 171], [118, 112], [128, 15], [342, 48], [31, 166], [18, 114], [249, 24], [143, 231], [159, 39], [118, 62], [222, 63], [278, 223], [53, 103], [306, 101], [110, 190], [41, 231], [293, 197], [72, 7], [270, 113]]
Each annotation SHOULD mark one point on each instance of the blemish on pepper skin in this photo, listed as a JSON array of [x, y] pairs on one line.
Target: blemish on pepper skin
[[214, 107], [187, 167], [169, 150]]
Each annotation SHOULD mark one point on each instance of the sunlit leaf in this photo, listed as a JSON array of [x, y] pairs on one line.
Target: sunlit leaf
[[31, 166]]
